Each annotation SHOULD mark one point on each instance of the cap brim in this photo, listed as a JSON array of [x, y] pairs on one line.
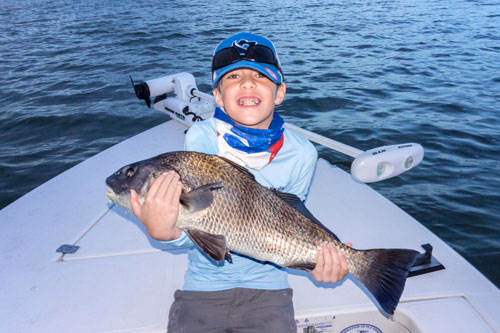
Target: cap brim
[[270, 71]]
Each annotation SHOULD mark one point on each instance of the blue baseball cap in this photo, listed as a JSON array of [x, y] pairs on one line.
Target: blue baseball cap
[[246, 50]]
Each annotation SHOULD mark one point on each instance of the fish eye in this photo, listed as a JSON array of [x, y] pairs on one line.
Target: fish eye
[[130, 172]]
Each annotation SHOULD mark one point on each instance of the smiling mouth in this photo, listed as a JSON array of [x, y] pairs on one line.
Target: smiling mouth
[[249, 101]]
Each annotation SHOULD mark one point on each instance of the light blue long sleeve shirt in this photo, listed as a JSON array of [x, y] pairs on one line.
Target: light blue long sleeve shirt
[[290, 171]]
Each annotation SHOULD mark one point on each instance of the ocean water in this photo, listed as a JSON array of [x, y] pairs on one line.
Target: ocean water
[[367, 73]]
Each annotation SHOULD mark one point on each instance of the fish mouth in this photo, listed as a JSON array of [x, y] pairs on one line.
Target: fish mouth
[[122, 200], [110, 194]]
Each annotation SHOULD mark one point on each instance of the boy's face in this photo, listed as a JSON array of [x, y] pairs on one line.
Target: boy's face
[[249, 97]]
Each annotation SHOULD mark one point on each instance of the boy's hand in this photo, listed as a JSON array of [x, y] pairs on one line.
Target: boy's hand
[[331, 264], [161, 207]]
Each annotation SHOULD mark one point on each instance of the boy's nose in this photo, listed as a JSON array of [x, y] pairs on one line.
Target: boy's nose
[[247, 81]]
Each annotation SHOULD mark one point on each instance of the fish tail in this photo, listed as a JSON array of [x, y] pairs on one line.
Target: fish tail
[[383, 272]]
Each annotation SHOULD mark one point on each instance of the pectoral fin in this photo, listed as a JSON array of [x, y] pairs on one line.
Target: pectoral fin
[[213, 245], [199, 198]]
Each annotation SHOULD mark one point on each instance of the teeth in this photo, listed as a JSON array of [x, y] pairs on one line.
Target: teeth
[[249, 102]]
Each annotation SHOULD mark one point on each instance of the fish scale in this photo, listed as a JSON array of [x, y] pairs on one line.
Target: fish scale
[[223, 209]]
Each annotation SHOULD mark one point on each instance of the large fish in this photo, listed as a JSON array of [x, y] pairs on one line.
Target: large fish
[[223, 209]]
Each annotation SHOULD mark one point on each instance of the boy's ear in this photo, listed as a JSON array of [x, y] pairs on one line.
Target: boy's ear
[[280, 93], [218, 97]]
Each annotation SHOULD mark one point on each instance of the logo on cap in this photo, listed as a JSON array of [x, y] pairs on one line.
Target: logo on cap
[[242, 45]]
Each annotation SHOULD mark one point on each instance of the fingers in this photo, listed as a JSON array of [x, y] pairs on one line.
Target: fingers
[[177, 193], [164, 187], [173, 188], [160, 208], [136, 205], [155, 186], [317, 273], [331, 264], [344, 267]]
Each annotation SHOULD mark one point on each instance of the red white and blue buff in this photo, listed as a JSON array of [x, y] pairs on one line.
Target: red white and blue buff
[[251, 147]]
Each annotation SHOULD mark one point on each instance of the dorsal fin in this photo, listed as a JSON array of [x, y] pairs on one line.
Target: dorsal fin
[[239, 167], [295, 202]]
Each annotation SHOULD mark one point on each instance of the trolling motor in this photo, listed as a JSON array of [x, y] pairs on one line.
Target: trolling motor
[[190, 105], [184, 107]]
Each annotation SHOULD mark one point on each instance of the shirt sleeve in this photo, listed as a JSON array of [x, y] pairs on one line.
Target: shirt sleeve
[[305, 172], [182, 242], [199, 140]]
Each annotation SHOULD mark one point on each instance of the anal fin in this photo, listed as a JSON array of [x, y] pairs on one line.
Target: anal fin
[[307, 266], [228, 256]]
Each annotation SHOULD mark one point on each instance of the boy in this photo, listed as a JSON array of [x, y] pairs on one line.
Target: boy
[[245, 295]]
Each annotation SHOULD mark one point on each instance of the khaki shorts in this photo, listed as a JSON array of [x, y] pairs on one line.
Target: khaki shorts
[[235, 310]]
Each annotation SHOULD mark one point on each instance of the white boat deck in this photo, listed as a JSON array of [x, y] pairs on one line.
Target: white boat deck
[[119, 280]]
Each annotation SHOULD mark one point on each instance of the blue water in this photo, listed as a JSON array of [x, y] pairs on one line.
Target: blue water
[[367, 73]]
